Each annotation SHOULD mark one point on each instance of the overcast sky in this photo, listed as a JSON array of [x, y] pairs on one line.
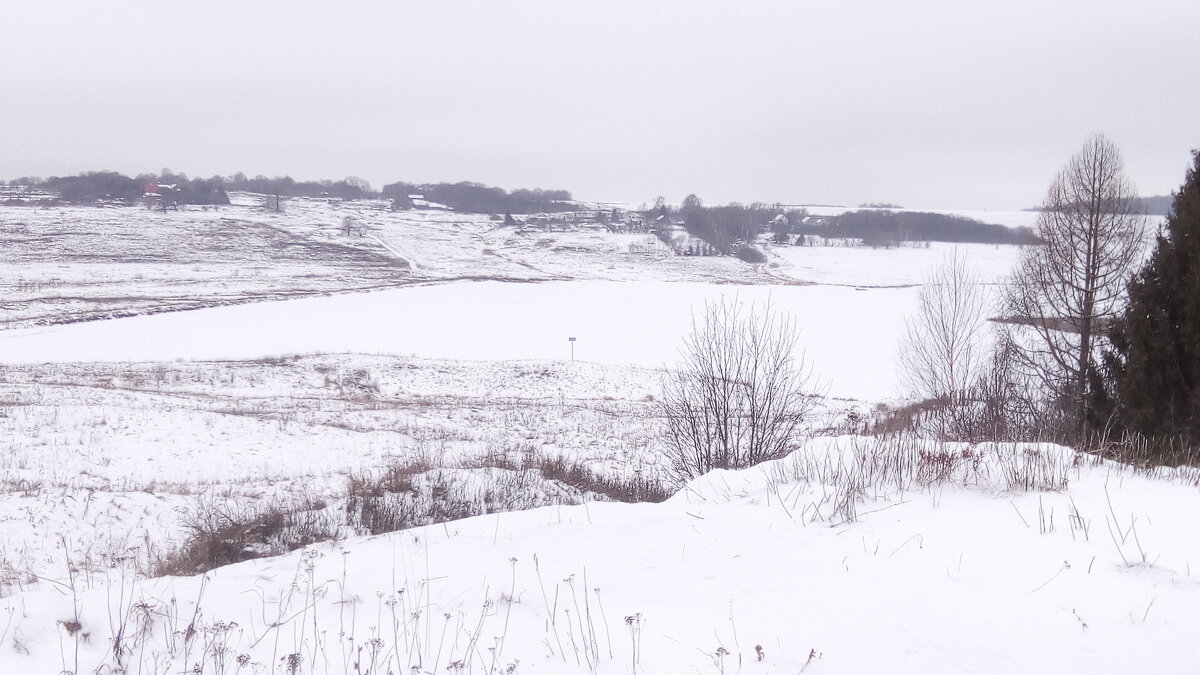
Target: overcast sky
[[954, 104]]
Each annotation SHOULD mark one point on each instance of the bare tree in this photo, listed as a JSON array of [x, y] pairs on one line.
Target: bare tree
[[1065, 292], [1006, 403], [740, 395], [943, 349]]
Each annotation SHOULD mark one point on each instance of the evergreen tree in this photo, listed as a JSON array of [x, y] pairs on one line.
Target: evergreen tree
[[1154, 362]]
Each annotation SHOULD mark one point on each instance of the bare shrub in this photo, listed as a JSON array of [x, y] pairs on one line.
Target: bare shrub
[[414, 494], [751, 255], [442, 495], [740, 395], [1008, 402], [639, 486], [949, 465], [943, 347], [396, 478], [223, 533]]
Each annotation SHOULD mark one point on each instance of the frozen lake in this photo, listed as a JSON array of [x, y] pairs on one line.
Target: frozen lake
[[849, 334]]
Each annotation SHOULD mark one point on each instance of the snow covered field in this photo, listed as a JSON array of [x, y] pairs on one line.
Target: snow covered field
[[849, 335], [101, 458], [849, 313], [117, 435]]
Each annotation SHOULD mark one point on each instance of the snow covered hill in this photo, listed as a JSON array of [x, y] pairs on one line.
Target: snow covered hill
[[70, 264], [957, 568], [136, 451]]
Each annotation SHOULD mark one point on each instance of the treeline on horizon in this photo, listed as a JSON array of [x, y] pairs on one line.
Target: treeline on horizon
[[1154, 205], [730, 227], [479, 198], [115, 188], [112, 187], [884, 228]]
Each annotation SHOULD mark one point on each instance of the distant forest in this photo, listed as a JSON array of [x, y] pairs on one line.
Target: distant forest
[[479, 198], [882, 228], [111, 187], [115, 188], [1158, 205], [728, 229]]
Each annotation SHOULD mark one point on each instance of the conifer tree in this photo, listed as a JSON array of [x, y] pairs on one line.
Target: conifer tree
[[1155, 357]]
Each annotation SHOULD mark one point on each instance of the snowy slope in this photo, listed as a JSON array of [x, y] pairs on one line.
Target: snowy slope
[[80, 264], [115, 434], [967, 576]]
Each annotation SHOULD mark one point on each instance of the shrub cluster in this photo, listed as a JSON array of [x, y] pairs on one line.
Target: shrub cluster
[[401, 496]]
